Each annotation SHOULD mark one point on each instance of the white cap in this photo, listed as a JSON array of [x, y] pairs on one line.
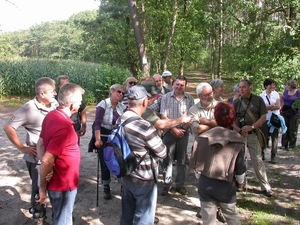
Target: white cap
[[166, 74]]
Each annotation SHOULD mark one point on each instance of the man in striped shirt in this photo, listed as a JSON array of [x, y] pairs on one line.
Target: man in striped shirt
[[139, 193]]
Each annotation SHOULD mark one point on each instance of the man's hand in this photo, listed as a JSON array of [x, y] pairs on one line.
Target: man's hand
[[178, 133], [186, 119], [82, 131], [43, 197], [49, 176], [29, 150]]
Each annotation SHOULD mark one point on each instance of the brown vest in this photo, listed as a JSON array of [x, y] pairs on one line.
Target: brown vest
[[214, 153]]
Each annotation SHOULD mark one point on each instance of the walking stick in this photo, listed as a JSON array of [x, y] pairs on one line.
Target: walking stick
[[98, 172], [246, 159]]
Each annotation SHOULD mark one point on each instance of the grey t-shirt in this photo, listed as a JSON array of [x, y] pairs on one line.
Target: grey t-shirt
[[31, 116]]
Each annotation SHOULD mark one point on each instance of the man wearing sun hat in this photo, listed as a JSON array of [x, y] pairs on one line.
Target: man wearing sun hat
[[139, 193], [167, 77]]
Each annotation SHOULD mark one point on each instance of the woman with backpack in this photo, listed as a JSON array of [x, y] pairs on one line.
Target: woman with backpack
[[107, 113]]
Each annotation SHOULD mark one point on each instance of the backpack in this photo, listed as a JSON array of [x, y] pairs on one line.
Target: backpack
[[119, 158]]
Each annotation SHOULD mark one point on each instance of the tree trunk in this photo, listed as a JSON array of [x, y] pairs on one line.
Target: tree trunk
[[139, 38], [175, 14]]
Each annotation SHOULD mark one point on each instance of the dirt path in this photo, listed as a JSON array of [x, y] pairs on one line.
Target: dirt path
[[174, 209]]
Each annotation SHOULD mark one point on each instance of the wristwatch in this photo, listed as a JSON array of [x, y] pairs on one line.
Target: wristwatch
[[252, 127]]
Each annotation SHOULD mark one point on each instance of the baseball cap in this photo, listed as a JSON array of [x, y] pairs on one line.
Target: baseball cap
[[150, 87], [166, 74], [137, 92]]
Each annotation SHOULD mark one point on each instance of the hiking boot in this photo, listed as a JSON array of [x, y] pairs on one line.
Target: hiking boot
[[268, 193], [156, 220], [273, 160], [165, 191], [220, 216], [107, 194], [239, 187], [182, 191]]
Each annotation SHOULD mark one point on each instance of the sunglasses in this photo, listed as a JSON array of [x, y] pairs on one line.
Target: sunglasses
[[132, 83], [120, 92]]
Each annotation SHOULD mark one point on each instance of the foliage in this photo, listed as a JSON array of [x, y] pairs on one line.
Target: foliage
[[259, 39], [19, 75]]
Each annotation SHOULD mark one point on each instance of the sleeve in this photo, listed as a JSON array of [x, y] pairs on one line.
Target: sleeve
[[194, 112], [100, 111], [154, 142], [19, 118]]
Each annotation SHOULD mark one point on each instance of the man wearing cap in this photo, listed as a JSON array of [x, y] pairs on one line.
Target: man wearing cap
[[139, 193], [167, 76], [158, 80], [173, 105]]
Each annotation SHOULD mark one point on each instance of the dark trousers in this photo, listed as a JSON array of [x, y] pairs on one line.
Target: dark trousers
[[105, 173], [274, 137], [290, 137]]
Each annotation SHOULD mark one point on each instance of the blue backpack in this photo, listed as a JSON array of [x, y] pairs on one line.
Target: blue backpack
[[119, 158]]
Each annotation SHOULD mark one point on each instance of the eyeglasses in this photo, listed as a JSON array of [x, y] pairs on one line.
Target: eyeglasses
[[120, 92], [132, 83], [207, 95]]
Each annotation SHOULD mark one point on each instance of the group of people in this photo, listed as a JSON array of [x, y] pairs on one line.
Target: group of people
[[167, 115]]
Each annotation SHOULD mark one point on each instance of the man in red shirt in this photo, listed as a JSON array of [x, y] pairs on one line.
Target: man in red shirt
[[59, 152]]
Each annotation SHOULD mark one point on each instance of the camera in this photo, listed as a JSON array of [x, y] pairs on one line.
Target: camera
[[240, 119]]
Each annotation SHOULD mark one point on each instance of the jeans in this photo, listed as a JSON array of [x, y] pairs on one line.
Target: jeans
[[138, 203], [177, 149], [62, 206]]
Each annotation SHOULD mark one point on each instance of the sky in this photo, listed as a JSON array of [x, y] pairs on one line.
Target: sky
[[23, 14]]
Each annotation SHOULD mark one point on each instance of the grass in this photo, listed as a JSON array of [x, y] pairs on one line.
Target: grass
[[12, 102]]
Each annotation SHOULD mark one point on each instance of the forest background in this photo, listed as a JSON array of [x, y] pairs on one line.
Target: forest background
[[231, 40], [200, 39]]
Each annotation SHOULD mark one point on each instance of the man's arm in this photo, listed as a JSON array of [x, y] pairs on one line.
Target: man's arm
[[40, 148], [82, 130], [167, 123], [46, 168], [13, 137], [247, 128], [205, 125]]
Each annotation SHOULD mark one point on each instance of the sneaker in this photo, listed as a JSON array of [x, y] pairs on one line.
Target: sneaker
[[165, 191], [268, 193], [220, 216], [182, 191], [156, 220], [107, 194]]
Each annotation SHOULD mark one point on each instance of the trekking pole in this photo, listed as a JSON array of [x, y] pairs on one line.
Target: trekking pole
[[98, 171], [246, 159]]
